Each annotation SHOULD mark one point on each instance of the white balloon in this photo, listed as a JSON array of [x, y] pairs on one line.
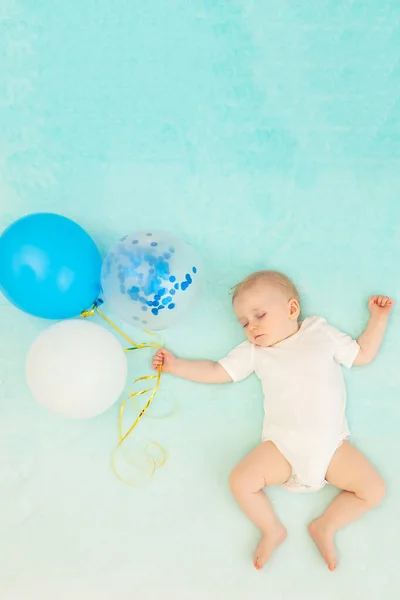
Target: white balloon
[[76, 369]]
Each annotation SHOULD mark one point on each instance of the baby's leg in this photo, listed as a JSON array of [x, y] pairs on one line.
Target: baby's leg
[[264, 466], [363, 489]]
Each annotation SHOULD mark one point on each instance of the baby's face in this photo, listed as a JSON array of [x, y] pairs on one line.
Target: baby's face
[[266, 314]]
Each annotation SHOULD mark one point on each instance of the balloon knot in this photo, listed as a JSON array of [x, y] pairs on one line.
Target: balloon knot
[[90, 311]]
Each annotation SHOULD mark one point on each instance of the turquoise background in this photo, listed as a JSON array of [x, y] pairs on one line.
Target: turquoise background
[[266, 134]]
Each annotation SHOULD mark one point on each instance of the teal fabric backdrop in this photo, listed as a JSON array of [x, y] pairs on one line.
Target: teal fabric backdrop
[[267, 135]]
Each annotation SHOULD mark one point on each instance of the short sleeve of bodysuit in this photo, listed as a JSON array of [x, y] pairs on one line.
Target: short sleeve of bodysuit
[[345, 348], [239, 363]]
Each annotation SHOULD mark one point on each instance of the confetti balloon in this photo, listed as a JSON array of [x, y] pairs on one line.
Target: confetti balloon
[[151, 279]]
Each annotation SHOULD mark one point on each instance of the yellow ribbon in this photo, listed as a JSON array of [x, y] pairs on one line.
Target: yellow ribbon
[[90, 313], [123, 436]]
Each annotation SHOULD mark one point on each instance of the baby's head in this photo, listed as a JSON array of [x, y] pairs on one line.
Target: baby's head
[[267, 305]]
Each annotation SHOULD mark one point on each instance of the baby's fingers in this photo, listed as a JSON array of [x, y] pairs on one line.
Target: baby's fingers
[[157, 361], [385, 301], [381, 301]]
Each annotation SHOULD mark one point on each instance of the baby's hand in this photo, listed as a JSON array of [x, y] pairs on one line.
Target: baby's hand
[[163, 358], [380, 306]]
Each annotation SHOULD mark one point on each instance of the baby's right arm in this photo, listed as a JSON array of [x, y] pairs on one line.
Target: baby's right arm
[[202, 371]]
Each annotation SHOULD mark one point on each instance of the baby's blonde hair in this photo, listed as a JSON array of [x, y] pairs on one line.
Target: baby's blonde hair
[[274, 277]]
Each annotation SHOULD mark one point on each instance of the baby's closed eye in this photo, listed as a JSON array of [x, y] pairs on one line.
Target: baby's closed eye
[[258, 317]]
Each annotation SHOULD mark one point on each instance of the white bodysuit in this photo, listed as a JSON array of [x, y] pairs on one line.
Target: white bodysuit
[[304, 395]]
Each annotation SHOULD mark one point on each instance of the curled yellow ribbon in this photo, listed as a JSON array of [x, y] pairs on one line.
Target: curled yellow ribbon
[[154, 463]]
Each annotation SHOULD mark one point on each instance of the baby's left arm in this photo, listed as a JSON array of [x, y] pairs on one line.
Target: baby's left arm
[[371, 339]]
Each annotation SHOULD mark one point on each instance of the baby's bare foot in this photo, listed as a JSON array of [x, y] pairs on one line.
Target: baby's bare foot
[[323, 537], [268, 544]]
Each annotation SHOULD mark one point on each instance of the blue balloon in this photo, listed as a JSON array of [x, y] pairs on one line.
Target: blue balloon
[[49, 266]]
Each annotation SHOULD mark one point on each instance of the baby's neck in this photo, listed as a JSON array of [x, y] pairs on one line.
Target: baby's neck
[[292, 331]]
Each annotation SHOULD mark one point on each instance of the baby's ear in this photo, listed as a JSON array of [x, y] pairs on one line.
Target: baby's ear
[[294, 308]]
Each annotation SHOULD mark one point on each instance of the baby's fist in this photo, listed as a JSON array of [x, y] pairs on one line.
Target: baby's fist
[[380, 305], [165, 359]]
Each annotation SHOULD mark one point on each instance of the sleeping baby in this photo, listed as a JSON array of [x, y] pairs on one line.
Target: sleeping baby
[[305, 434]]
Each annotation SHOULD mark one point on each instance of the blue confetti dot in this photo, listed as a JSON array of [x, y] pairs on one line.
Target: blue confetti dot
[[154, 311], [172, 278], [144, 308], [135, 241], [184, 285], [162, 291], [142, 300], [166, 300], [176, 286], [154, 244], [172, 250], [149, 302], [188, 278], [194, 270], [157, 297], [156, 303], [135, 289], [172, 292], [161, 307], [123, 238], [167, 255], [171, 306]]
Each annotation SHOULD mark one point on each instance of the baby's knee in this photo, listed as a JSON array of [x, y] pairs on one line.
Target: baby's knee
[[239, 481], [235, 481], [375, 492]]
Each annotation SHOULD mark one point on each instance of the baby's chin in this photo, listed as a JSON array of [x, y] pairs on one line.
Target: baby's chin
[[263, 341]]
